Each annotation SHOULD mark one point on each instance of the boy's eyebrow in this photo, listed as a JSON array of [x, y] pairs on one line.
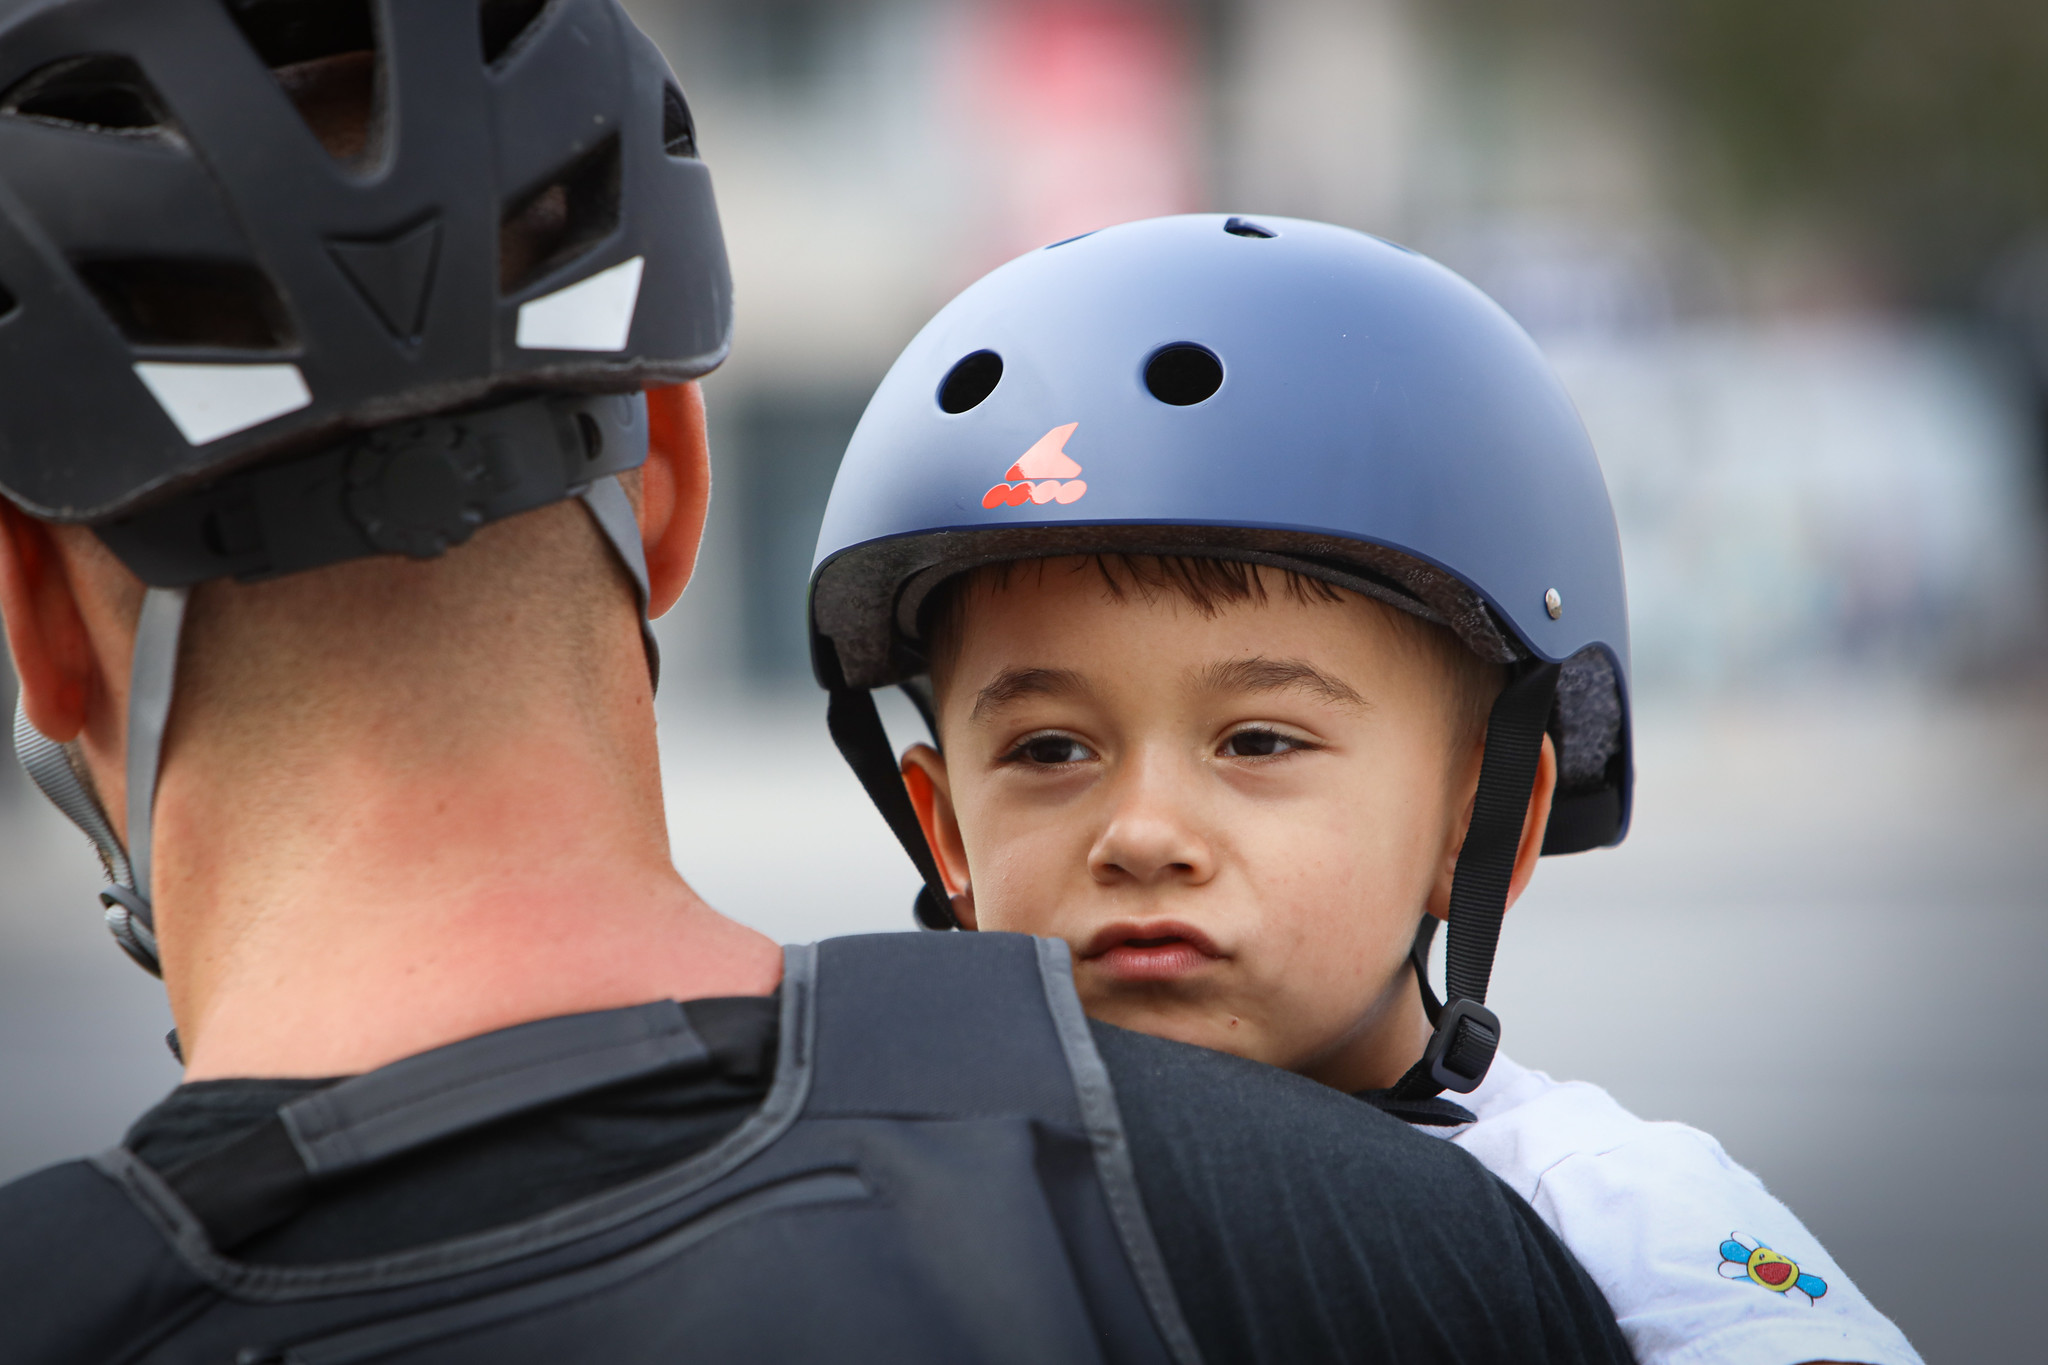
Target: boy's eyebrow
[[1261, 674], [1013, 683]]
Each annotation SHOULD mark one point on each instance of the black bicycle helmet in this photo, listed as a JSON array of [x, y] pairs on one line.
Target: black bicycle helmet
[[290, 282], [194, 280]]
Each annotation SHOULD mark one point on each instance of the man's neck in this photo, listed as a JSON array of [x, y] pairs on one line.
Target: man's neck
[[350, 905]]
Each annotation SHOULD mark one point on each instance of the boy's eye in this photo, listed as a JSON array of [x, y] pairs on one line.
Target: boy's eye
[[1051, 751], [1261, 744]]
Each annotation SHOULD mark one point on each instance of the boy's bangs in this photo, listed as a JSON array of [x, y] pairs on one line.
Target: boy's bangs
[[1208, 585]]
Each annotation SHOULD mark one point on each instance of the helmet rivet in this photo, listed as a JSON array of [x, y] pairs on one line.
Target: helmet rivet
[[1553, 603]]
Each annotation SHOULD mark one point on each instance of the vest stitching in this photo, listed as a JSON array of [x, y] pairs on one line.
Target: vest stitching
[[1105, 1125]]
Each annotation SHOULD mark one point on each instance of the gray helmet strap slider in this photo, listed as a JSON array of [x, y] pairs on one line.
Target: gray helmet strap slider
[[152, 677], [612, 510], [49, 765]]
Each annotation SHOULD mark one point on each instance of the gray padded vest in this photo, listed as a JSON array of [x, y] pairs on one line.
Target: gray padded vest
[[938, 1174]]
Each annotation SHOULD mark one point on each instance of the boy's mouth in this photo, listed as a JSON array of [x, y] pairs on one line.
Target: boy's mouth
[[1149, 950]]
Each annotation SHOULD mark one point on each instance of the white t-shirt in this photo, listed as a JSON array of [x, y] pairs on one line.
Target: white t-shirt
[[1698, 1261]]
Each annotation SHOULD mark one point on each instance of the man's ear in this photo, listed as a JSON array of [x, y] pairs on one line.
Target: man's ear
[[931, 795], [675, 491], [46, 631], [1535, 822]]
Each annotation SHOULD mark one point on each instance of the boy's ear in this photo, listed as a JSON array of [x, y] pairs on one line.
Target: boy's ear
[[931, 795], [675, 491], [1535, 821]]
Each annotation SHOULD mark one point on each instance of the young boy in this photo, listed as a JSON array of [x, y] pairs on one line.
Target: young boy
[[1328, 644]]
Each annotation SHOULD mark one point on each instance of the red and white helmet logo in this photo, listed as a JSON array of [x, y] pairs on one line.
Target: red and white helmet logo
[[1044, 473]]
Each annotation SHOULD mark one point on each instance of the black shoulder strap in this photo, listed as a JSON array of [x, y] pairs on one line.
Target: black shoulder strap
[[267, 1175]]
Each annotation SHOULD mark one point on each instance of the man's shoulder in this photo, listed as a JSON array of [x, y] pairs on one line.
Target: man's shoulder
[[1213, 1102], [1260, 1128], [1298, 1222], [77, 1247]]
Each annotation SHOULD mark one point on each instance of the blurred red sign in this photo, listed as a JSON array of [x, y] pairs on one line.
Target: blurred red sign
[[1079, 114]]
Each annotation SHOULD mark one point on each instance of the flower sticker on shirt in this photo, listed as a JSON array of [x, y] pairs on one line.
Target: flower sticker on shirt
[[1743, 1260]]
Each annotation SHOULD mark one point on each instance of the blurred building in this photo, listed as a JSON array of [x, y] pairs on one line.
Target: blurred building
[[1809, 485]]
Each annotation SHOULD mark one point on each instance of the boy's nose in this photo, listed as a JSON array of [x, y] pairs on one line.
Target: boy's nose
[[1149, 842]]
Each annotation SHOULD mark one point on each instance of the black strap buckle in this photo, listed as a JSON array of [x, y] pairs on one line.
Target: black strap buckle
[[1462, 1047]]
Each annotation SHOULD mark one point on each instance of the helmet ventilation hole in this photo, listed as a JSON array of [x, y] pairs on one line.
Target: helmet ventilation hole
[[678, 129], [102, 93], [970, 381], [324, 55], [1183, 375], [217, 305], [502, 23], [1245, 227], [576, 208], [8, 303]]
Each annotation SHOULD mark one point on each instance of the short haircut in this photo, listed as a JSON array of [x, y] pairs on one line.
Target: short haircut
[[1208, 585]]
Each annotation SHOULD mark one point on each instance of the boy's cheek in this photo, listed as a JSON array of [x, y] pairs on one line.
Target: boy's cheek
[[1024, 880]]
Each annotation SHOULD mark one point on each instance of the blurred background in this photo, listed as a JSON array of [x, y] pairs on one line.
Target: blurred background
[[1792, 262]]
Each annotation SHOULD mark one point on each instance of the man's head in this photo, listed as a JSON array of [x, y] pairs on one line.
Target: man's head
[[1231, 789], [268, 336], [534, 609]]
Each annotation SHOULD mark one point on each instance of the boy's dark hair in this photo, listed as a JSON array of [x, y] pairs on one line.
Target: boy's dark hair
[[1208, 585]]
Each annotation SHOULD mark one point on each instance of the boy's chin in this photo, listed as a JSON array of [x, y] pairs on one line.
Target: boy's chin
[[1169, 1010]]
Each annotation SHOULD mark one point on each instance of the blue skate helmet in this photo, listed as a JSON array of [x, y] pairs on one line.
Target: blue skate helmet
[[285, 283], [1278, 392]]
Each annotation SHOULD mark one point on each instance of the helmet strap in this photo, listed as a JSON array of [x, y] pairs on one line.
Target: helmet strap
[[612, 510], [55, 772], [1467, 1034], [863, 742]]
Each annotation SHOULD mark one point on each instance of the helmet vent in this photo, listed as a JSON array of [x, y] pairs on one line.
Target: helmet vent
[[219, 305], [502, 23], [324, 55], [970, 381], [1183, 375], [1245, 227], [572, 212], [101, 93], [8, 303], [678, 129]]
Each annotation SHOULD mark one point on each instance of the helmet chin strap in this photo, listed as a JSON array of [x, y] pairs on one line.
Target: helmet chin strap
[[1465, 1033], [55, 771], [152, 678], [612, 510]]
